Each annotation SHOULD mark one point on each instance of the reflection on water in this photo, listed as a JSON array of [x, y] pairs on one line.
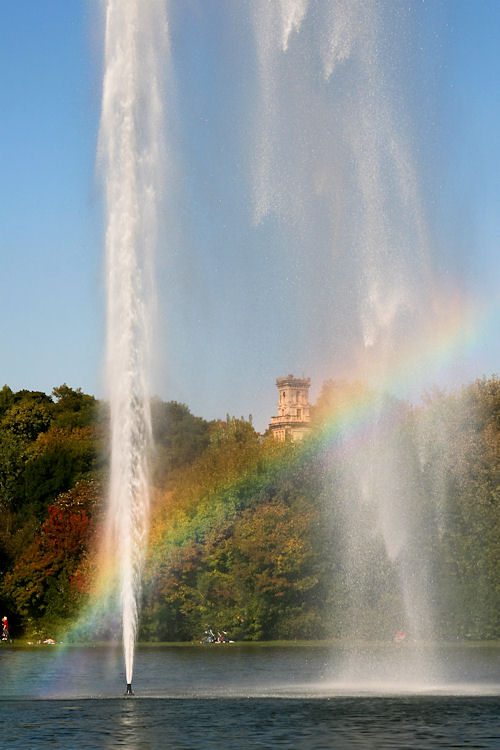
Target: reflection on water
[[131, 726], [309, 724]]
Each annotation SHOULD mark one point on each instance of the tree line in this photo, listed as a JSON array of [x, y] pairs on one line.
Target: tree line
[[262, 539]]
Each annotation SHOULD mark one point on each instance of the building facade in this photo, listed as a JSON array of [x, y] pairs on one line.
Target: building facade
[[293, 420]]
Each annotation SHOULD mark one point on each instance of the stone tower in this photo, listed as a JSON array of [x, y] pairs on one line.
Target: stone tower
[[293, 420]]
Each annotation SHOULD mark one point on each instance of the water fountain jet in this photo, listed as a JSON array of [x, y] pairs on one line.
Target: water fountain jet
[[131, 161]]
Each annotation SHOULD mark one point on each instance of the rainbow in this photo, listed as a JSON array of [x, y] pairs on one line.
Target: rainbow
[[451, 329]]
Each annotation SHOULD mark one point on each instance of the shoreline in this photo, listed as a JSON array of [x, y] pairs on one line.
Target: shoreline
[[20, 643]]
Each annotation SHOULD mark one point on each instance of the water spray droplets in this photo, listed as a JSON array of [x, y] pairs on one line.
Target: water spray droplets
[[293, 13], [130, 155], [333, 161]]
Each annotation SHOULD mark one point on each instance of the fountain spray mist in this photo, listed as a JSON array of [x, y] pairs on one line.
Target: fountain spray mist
[[131, 160], [333, 159]]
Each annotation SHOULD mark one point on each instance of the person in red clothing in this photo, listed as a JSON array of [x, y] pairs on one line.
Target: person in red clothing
[[5, 629]]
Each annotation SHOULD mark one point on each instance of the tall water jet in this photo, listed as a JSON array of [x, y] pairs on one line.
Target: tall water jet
[[131, 160]]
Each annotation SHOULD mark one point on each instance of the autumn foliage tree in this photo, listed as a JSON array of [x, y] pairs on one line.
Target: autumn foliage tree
[[45, 580]]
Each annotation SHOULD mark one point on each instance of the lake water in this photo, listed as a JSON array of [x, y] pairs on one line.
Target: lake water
[[247, 696]]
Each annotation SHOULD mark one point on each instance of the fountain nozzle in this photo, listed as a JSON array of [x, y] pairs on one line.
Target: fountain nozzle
[[129, 689]]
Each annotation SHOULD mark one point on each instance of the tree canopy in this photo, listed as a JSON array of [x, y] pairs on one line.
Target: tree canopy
[[263, 539]]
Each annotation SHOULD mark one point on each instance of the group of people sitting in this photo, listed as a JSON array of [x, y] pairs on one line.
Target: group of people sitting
[[220, 636]]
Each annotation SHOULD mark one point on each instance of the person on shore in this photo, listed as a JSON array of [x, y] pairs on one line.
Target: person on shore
[[5, 629]]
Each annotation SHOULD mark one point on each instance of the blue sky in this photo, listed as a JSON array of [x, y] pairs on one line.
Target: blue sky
[[231, 320]]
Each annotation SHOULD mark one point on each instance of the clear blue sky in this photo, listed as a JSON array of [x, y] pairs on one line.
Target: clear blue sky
[[235, 322]]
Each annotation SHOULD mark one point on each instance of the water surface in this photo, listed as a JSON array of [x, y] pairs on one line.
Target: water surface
[[240, 696]]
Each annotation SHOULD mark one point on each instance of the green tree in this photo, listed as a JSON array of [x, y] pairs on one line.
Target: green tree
[[6, 400], [179, 438], [74, 408], [58, 460], [29, 416]]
